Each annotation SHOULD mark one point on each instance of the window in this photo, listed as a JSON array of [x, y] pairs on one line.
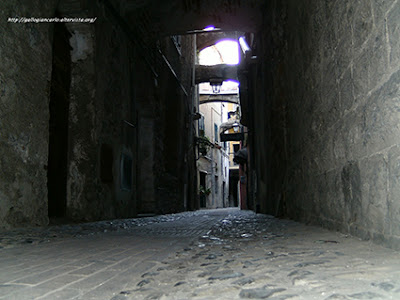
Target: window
[[216, 184], [236, 148], [177, 42], [201, 126], [215, 132]]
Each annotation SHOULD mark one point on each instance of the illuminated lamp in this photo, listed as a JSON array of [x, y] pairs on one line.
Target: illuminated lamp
[[216, 84]]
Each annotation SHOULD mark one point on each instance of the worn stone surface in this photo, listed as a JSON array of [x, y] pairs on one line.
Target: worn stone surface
[[121, 158], [167, 257], [25, 49], [331, 113]]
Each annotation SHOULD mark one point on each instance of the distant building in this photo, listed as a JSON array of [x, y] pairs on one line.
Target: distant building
[[218, 102], [234, 147], [213, 162]]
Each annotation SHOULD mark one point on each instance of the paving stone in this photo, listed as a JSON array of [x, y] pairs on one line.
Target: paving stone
[[10, 288], [309, 263], [27, 293], [179, 283], [258, 293], [300, 273], [366, 295], [44, 276], [59, 282], [244, 281], [120, 297], [337, 297], [150, 274], [64, 294], [225, 275], [386, 286], [93, 267], [164, 254], [144, 282], [283, 297]]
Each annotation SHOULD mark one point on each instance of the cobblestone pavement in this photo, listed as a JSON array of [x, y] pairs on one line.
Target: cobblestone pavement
[[216, 254], [39, 235]]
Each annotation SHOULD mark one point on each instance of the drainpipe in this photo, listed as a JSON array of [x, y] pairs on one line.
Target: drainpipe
[[195, 201], [212, 177]]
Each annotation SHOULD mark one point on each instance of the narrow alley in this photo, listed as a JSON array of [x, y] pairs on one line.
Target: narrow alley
[[199, 149], [207, 254]]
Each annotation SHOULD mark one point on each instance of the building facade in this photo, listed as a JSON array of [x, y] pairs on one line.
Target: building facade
[[90, 113], [213, 164]]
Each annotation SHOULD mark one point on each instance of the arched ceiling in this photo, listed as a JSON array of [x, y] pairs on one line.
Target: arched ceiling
[[205, 40], [182, 16]]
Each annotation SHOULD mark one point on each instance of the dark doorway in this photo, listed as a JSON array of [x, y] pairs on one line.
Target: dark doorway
[[223, 194], [203, 184], [58, 123], [233, 187]]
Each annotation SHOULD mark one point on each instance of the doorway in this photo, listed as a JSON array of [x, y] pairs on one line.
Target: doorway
[[58, 123], [203, 198]]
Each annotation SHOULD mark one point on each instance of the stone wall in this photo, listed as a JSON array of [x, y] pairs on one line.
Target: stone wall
[[117, 92], [101, 117], [126, 98], [175, 170], [331, 79], [25, 72], [83, 123]]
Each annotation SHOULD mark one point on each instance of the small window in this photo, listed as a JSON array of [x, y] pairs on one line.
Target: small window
[[236, 148], [126, 172], [215, 132], [177, 39], [201, 126]]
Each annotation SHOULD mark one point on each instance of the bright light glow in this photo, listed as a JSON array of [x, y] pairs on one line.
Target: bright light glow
[[243, 44], [209, 28], [224, 52], [216, 88]]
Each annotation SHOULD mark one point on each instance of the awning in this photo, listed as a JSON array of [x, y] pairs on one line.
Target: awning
[[236, 136], [240, 156], [239, 136], [231, 123]]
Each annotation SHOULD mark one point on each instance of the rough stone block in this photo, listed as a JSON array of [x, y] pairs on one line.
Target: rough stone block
[[346, 91], [381, 8], [343, 17], [361, 75], [26, 65], [378, 57], [362, 23], [394, 34], [351, 188], [394, 189], [343, 55], [381, 117], [374, 173]]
